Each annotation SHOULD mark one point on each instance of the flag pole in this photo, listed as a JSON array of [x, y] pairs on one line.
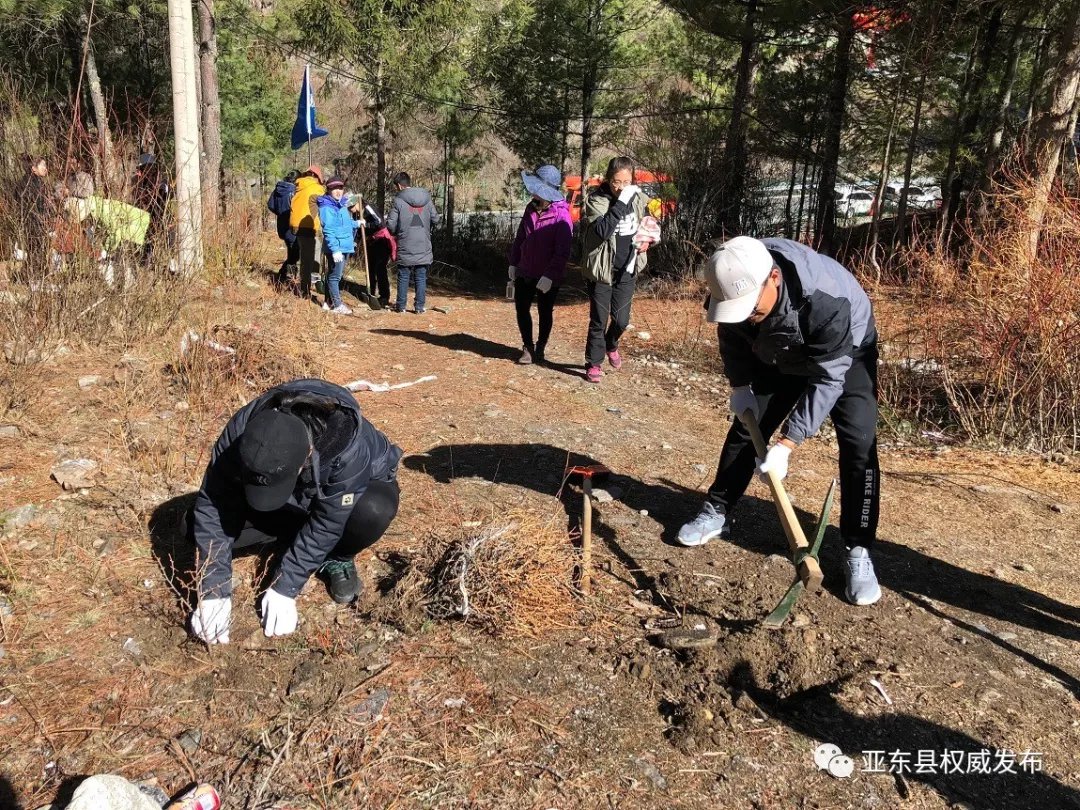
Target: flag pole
[[307, 117]]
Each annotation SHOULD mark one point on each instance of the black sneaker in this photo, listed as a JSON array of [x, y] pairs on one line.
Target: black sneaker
[[342, 579]]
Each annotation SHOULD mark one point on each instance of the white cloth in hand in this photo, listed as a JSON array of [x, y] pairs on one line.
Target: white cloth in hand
[[628, 193], [278, 614], [743, 400], [543, 285], [512, 272], [210, 620], [338, 257], [776, 462]]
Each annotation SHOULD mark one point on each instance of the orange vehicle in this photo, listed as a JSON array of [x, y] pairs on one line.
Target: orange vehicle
[[650, 183]]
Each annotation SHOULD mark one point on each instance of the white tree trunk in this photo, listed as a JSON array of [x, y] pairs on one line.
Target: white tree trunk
[[186, 128]]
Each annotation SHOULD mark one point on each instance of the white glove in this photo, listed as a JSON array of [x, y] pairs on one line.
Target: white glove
[[512, 273], [210, 620], [338, 257], [742, 400], [278, 614], [776, 462], [544, 284], [628, 193]]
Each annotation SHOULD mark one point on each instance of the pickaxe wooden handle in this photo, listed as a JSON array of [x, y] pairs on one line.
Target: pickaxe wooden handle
[[807, 565], [586, 472]]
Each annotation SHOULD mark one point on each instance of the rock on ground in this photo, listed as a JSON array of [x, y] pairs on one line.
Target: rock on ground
[[108, 792]]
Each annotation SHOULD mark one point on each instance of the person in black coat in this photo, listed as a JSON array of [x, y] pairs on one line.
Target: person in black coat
[[280, 204], [36, 199], [381, 248], [152, 192], [299, 465]]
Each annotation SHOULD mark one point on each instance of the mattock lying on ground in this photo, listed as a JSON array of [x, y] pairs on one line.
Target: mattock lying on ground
[[803, 555], [586, 473]]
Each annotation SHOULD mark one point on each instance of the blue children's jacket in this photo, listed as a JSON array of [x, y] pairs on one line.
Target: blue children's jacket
[[339, 228]]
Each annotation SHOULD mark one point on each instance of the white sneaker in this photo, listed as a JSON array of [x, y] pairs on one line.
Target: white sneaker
[[325, 306], [341, 309], [862, 585], [709, 523]]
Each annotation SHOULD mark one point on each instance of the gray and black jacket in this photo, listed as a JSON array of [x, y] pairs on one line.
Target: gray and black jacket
[[822, 319], [326, 492], [411, 218]]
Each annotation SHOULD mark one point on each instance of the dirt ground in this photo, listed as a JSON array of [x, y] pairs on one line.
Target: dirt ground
[[975, 643]]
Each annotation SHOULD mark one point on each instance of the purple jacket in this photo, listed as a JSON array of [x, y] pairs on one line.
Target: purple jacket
[[542, 244]]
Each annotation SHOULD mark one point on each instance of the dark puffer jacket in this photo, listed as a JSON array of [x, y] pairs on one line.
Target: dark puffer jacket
[[326, 492], [823, 317], [280, 204]]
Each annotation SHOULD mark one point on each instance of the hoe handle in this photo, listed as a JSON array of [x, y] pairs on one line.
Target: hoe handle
[[809, 569]]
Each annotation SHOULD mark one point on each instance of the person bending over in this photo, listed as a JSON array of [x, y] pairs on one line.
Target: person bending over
[[799, 344], [301, 466]]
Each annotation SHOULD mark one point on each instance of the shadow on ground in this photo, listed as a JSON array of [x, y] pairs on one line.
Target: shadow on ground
[[923, 579], [7, 795], [817, 714], [540, 467], [460, 341], [172, 548]]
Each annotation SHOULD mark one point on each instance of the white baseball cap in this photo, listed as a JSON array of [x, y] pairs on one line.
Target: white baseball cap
[[736, 274]]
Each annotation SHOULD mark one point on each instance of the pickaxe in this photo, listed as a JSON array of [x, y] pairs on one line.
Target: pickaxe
[[775, 619], [586, 473], [802, 554]]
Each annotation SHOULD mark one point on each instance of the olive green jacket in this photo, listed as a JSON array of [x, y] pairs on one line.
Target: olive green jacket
[[600, 251]]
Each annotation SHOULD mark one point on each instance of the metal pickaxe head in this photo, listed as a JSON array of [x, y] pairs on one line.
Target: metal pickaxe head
[[582, 472]]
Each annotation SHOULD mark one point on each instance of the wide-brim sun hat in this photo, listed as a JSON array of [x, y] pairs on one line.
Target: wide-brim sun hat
[[736, 274], [544, 183]]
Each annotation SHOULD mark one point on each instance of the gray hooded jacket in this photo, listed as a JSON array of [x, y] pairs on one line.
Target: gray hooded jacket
[[823, 318], [411, 218]]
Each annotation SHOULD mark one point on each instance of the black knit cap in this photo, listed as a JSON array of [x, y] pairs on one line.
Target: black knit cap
[[273, 449]]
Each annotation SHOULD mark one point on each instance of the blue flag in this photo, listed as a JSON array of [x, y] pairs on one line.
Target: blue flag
[[305, 129]]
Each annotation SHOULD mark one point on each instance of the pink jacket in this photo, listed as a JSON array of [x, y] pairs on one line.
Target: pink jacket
[[543, 241]]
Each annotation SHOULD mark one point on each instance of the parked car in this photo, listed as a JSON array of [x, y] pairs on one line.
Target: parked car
[[917, 196], [852, 201]]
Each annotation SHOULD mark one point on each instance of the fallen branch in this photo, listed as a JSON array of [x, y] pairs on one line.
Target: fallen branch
[[379, 388]]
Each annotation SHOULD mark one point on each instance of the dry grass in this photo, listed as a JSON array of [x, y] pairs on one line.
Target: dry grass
[[514, 578], [228, 363], [999, 352]]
